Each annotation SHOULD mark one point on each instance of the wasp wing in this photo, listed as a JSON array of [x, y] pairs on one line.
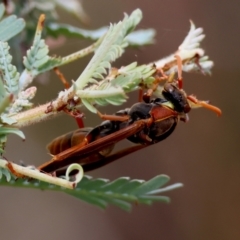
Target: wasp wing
[[100, 161], [85, 149]]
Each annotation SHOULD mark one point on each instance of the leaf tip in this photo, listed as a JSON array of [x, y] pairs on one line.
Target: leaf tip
[[41, 22]]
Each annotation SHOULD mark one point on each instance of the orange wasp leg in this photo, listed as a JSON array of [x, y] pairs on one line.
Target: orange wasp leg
[[146, 97], [179, 64], [62, 78]]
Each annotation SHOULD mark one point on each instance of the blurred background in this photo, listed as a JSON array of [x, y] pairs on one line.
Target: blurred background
[[203, 154]]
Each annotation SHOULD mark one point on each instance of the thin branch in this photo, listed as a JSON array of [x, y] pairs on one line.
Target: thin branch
[[27, 172], [33, 116]]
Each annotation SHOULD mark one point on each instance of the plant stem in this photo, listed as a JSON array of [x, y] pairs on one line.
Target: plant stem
[[27, 172], [43, 112], [32, 116]]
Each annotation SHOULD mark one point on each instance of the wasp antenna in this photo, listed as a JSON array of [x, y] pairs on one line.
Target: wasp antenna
[[211, 107], [205, 105]]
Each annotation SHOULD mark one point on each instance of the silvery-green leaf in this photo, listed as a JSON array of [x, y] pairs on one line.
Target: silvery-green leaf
[[10, 25], [110, 48], [8, 71], [9, 130]]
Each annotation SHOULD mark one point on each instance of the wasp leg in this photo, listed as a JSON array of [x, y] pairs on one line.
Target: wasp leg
[[158, 79], [76, 114], [62, 78], [179, 64], [140, 92], [113, 117]]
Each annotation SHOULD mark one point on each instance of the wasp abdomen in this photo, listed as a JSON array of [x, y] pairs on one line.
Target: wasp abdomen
[[68, 140]]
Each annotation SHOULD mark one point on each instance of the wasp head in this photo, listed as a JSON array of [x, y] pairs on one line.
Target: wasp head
[[176, 96]]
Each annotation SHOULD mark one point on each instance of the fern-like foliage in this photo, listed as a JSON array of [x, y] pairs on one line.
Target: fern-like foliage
[[37, 55], [109, 50], [122, 192], [187, 51], [8, 90], [5, 101], [9, 72], [109, 90], [5, 98]]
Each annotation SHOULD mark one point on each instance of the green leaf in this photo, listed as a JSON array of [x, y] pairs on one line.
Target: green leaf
[[51, 63], [89, 105], [122, 192], [5, 98], [60, 29], [4, 131], [152, 184], [9, 71], [111, 89], [115, 184], [37, 55], [7, 175], [141, 37], [6, 119], [8, 130], [124, 205], [2, 10], [137, 38], [91, 199], [110, 48], [74, 7], [9, 26]]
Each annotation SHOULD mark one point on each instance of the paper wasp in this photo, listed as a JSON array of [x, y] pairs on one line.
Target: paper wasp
[[144, 124]]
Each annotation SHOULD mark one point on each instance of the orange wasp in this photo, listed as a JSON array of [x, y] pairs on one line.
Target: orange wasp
[[144, 124]]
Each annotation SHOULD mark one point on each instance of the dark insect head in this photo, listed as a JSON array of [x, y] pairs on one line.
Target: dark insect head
[[177, 97]]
